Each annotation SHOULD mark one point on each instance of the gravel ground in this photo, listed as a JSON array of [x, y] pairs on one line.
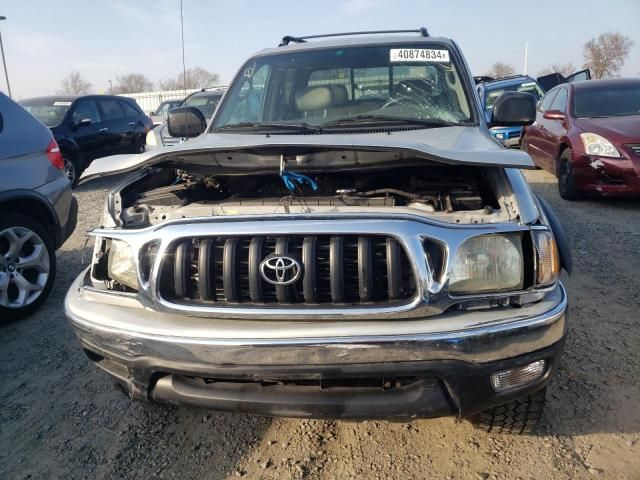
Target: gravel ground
[[60, 417]]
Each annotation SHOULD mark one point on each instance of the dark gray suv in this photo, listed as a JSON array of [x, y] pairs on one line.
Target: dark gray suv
[[37, 210]]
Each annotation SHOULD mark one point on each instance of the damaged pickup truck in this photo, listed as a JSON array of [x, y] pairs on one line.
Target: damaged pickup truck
[[343, 240]]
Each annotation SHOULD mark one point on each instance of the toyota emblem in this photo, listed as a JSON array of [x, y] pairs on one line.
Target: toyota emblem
[[279, 269]]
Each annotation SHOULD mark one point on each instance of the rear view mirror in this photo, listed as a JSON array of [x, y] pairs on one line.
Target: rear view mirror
[[514, 109], [186, 122]]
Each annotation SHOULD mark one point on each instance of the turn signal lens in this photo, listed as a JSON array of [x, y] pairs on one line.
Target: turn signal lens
[[517, 377], [547, 256]]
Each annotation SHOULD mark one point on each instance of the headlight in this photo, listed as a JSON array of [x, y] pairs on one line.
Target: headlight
[[488, 263], [499, 136], [548, 260], [594, 144], [120, 265], [151, 139]]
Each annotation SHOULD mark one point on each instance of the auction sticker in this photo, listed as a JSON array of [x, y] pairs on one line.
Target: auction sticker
[[418, 55]]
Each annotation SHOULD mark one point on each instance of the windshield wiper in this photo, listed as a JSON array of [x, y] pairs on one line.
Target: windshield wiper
[[300, 127], [378, 119]]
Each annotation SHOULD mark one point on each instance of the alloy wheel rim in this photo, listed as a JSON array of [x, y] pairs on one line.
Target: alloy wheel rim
[[24, 267], [69, 170]]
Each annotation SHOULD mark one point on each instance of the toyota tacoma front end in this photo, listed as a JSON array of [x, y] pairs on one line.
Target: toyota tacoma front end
[[307, 257]]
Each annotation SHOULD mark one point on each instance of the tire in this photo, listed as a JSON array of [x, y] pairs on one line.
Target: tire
[[139, 146], [566, 180], [516, 417], [26, 283], [71, 169]]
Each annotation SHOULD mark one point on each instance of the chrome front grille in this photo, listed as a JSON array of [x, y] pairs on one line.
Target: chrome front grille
[[336, 270], [635, 148]]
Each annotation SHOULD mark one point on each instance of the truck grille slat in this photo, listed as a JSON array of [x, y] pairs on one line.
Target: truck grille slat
[[206, 269], [230, 270], [256, 254], [341, 270], [336, 269]]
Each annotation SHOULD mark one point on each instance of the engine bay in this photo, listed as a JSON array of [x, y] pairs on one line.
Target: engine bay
[[452, 193]]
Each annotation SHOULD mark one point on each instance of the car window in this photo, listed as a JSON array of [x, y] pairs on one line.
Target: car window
[[248, 103], [560, 102], [331, 85], [130, 110], [205, 103], [525, 87], [111, 109], [546, 101], [50, 111], [617, 100], [86, 109]]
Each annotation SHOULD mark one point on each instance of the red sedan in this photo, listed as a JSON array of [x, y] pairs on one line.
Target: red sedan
[[588, 134]]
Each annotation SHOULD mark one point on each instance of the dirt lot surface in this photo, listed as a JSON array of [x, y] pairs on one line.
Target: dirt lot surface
[[60, 417]]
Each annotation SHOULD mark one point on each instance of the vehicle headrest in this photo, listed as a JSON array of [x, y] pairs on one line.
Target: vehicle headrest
[[319, 98]]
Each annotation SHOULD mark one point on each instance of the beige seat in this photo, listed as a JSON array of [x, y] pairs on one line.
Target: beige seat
[[321, 101]]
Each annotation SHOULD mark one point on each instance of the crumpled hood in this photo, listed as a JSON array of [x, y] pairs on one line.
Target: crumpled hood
[[449, 145]]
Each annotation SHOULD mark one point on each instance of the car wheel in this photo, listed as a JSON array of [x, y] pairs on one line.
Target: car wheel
[[139, 146], [566, 180], [516, 417], [71, 170], [27, 266]]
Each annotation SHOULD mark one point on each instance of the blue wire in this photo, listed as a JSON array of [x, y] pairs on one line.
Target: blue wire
[[291, 178]]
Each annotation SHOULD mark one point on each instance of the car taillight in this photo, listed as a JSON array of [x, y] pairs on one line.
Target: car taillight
[[54, 155]]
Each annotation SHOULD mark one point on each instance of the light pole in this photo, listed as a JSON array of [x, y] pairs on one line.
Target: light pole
[[110, 87], [4, 61]]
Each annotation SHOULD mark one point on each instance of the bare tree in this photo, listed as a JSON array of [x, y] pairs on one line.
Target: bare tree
[[605, 55], [196, 77], [74, 84], [499, 70], [564, 69], [132, 83]]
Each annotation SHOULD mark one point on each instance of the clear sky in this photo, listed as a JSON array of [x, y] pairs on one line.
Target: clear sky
[[45, 39]]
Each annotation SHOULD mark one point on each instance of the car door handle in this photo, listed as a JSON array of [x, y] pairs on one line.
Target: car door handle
[[103, 130], [132, 124]]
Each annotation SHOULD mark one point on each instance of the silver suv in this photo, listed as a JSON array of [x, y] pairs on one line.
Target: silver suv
[[37, 210], [344, 239]]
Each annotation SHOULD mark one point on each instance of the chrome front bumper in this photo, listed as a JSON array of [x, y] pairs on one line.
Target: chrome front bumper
[[124, 329]]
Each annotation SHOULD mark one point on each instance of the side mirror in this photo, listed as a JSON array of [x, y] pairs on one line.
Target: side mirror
[[514, 109], [554, 115], [83, 122], [186, 122]]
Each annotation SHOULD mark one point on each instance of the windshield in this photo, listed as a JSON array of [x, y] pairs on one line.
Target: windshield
[[318, 87], [526, 87], [165, 107], [607, 101], [49, 111], [205, 103]]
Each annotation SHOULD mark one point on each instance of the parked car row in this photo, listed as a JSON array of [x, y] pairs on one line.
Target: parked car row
[[338, 238]]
